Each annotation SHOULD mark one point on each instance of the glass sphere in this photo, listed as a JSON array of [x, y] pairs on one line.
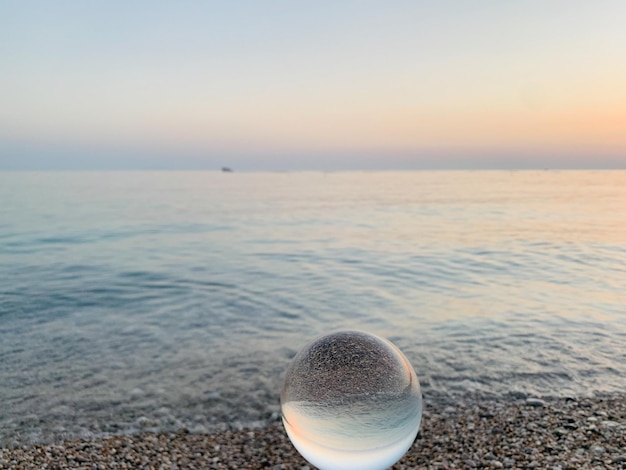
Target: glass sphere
[[351, 400]]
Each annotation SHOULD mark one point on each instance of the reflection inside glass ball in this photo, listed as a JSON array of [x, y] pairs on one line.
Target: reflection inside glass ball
[[351, 400]]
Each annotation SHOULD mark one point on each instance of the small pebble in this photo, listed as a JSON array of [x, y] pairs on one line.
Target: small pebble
[[536, 402]]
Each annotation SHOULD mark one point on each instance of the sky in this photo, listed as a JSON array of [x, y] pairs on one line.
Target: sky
[[318, 85]]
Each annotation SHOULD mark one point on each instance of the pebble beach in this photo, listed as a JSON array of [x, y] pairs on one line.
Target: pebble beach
[[557, 434]]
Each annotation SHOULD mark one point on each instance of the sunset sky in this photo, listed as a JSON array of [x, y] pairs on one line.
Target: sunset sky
[[324, 85]]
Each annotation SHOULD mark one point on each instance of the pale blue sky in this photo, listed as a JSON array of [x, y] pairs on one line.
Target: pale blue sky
[[319, 85]]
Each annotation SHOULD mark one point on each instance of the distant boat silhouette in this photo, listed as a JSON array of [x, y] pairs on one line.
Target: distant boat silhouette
[[225, 169]]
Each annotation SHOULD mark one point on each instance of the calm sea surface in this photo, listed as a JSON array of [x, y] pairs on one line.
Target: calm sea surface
[[168, 299]]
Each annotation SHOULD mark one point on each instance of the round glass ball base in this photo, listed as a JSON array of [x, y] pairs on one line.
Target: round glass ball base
[[327, 458]]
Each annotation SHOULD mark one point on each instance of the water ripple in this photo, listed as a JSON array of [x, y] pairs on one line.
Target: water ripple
[[192, 293]]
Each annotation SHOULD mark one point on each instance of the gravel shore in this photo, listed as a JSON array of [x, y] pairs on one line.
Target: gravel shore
[[587, 433]]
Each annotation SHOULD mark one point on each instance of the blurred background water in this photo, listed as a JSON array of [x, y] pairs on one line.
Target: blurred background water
[[162, 300]]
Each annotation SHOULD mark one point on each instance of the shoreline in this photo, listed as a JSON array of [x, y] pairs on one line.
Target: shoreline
[[563, 433]]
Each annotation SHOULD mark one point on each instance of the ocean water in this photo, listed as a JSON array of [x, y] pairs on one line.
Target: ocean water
[[162, 300]]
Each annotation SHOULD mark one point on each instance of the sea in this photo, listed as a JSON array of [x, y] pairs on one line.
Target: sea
[[146, 301]]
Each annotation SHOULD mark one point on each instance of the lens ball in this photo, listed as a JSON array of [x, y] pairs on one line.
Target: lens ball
[[351, 400]]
